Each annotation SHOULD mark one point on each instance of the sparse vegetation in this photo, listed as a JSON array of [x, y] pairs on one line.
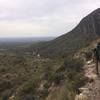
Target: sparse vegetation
[[31, 78]]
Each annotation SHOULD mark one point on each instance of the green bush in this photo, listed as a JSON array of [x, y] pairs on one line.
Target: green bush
[[74, 73], [56, 78], [73, 64], [27, 90]]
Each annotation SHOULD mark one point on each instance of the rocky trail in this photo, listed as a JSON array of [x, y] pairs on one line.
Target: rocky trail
[[91, 91]]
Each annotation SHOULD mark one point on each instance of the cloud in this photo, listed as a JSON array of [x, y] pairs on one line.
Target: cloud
[[42, 17]]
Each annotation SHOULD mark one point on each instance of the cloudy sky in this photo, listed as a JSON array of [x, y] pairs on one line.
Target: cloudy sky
[[22, 18]]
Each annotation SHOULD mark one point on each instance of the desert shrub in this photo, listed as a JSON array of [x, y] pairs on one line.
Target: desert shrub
[[65, 92], [47, 85], [29, 86], [6, 94], [5, 84], [28, 90], [56, 78], [74, 72], [73, 64], [43, 94], [78, 80], [89, 54]]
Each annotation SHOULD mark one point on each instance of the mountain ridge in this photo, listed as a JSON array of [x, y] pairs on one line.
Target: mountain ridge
[[81, 36]]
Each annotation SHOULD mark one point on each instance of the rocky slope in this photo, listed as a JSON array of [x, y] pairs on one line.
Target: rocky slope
[[91, 91], [81, 36]]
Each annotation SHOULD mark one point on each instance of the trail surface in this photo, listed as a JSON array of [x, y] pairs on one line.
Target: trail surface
[[91, 91]]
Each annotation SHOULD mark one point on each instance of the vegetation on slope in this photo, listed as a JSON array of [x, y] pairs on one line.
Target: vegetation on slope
[[32, 78]]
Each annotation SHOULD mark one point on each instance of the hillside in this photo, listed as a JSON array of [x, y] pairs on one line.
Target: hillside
[[30, 77], [81, 36]]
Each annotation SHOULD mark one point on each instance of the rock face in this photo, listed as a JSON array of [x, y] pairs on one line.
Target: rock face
[[90, 24], [81, 36]]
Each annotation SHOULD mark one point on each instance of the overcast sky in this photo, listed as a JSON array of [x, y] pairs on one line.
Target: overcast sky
[[20, 18]]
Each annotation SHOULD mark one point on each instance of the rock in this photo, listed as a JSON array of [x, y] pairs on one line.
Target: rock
[[83, 89], [81, 97], [11, 98], [89, 62]]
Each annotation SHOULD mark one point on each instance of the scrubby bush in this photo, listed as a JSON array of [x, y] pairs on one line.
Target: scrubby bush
[[89, 55], [56, 78], [5, 84], [74, 73], [73, 64], [27, 90], [64, 92], [6, 94]]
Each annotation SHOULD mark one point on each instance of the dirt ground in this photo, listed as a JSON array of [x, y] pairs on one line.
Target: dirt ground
[[91, 91]]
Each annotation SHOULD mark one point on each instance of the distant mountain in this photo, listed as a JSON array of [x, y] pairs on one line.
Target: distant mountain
[[25, 39], [6, 43], [81, 36]]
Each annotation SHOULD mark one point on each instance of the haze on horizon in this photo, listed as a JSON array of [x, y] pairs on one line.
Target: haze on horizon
[[26, 18]]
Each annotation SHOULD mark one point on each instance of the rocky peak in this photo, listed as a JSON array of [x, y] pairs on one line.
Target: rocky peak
[[90, 24]]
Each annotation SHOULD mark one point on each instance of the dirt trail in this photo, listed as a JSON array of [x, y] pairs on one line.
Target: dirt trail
[[91, 91]]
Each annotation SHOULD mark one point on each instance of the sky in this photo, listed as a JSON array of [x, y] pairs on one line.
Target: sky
[[40, 18]]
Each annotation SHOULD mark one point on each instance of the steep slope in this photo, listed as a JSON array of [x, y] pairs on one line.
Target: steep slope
[[81, 36]]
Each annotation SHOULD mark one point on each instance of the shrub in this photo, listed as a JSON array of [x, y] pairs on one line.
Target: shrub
[[5, 84], [56, 78], [73, 64], [65, 92], [74, 73]]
